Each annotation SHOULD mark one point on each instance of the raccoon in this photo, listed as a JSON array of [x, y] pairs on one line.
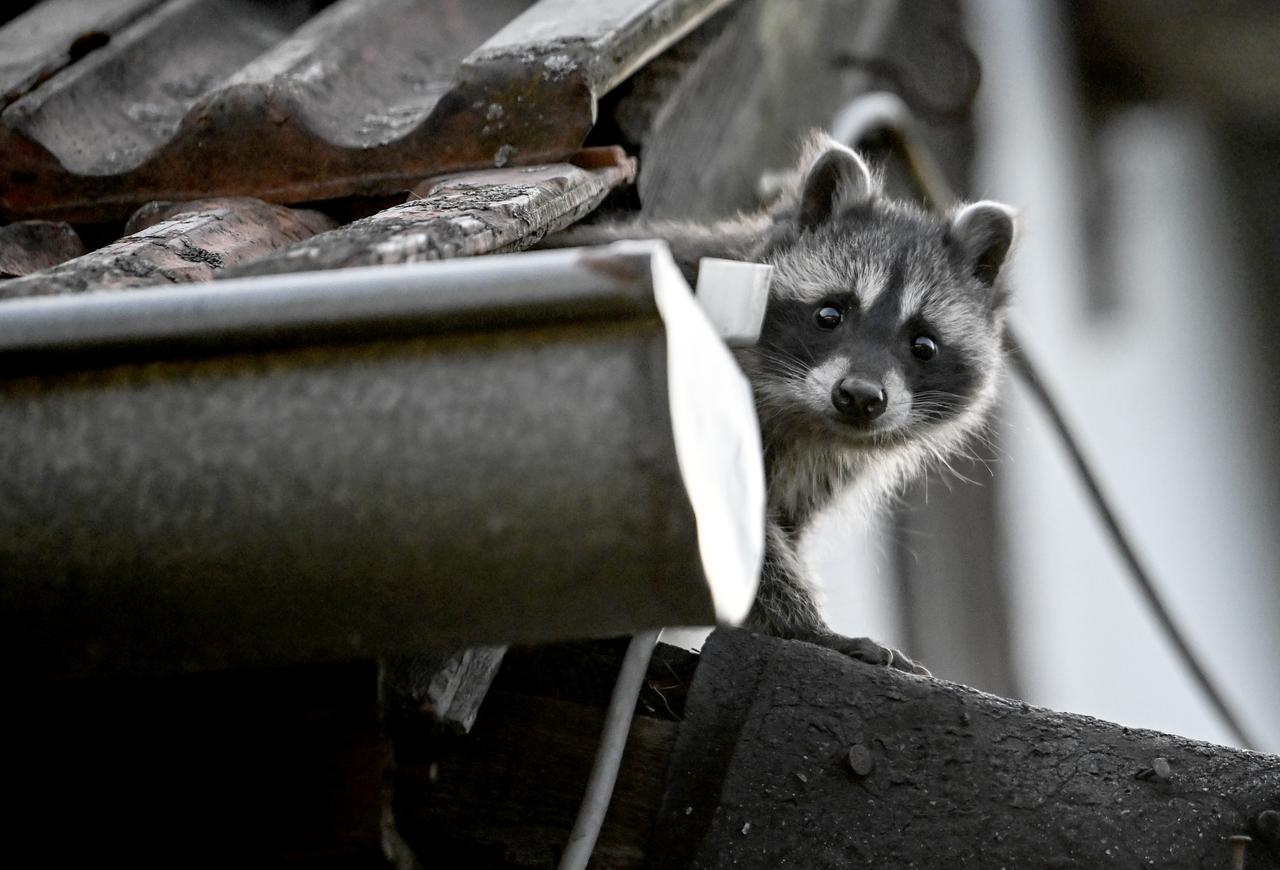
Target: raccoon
[[880, 352]]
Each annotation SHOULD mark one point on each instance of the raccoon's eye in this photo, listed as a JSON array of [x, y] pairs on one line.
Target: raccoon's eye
[[924, 347], [828, 317]]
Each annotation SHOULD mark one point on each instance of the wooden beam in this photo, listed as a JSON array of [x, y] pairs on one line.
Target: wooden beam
[[506, 794], [793, 755], [469, 213], [446, 688]]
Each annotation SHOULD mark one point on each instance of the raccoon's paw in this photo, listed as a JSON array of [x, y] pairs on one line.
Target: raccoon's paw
[[866, 650]]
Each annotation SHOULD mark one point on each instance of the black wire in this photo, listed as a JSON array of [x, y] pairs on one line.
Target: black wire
[[1030, 375]]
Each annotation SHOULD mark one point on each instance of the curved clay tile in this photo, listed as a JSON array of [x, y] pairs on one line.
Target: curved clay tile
[[227, 97]]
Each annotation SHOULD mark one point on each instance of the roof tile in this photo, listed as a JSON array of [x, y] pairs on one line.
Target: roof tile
[[226, 97]]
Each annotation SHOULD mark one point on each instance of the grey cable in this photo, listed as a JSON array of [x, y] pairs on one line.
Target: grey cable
[[1030, 375], [613, 740]]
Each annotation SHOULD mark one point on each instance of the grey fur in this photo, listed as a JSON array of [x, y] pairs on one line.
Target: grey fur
[[892, 270]]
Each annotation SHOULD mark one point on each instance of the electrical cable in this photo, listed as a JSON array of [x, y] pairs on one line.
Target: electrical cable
[[613, 739], [1032, 380], [886, 113]]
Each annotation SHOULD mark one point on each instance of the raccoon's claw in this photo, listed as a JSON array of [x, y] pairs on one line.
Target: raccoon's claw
[[863, 649], [902, 663], [866, 650]]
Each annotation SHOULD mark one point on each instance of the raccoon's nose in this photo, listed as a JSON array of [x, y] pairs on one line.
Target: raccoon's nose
[[861, 401]]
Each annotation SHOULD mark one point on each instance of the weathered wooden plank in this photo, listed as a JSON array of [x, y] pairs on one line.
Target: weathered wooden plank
[[29, 246], [794, 755], [194, 242], [505, 795], [492, 211], [445, 688], [239, 109], [56, 33]]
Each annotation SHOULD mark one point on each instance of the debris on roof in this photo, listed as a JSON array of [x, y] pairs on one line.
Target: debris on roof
[[490, 211], [198, 98], [183, 242]]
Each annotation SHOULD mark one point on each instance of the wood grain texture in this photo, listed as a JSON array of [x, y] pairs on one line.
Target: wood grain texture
[[486, 212], [445, 688], [506, 794]]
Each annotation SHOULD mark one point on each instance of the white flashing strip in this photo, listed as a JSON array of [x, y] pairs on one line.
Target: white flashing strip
[[717, 440]]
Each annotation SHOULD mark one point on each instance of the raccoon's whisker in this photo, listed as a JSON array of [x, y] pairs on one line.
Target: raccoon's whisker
[[786, 363], [944, 464]]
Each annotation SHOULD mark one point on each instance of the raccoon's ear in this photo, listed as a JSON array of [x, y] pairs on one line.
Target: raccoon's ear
[[838, 179], [983, 232]]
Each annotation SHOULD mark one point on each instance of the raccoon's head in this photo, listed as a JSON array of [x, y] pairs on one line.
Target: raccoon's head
[[884, 324]]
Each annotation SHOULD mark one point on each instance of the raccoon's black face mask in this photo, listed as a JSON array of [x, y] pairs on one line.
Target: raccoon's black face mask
[[885, 321]]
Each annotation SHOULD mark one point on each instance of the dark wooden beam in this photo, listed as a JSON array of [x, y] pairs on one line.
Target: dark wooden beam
[[505, 795], [447, 688], [792, 755]]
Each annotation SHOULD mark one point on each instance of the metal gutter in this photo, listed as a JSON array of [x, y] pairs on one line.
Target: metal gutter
[[335, 465]]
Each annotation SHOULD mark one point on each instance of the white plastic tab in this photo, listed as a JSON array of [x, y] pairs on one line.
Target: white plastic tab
[[733, 294]]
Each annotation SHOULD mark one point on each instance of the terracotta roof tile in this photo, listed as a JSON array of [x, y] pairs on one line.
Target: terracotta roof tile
[[197, 98]]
